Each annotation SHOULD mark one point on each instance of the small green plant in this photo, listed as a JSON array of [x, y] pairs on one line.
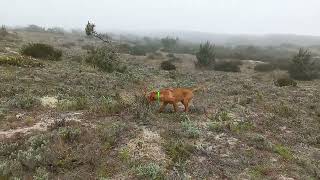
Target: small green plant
[[69, 134], [189, 128], [149, 171], [283, 152], [259, 171], [124, 154], [42, 51], [206, 56], [283, 110], [285, 81], [167, 65]]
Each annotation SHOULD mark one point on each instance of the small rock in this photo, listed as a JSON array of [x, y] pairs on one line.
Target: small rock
[[19, 115]]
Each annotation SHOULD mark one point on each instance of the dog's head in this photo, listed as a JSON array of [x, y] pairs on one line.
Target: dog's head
[[152, 96]]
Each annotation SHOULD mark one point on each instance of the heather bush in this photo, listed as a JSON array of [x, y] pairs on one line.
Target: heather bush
[[39, 50]]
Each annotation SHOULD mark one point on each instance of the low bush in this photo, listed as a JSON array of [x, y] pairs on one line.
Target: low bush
[[106, 59], [264, 67], [24, 102], [3, 31], [20, 61], [44, 51], [167, 65], [150, 171], [227, 66], [285, 81], [302, 67]]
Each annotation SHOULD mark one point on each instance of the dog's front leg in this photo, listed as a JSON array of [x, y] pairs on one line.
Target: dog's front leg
[[162, 107], [175, 107]]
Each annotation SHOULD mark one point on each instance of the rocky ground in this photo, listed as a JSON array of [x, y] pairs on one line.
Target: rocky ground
[[67, 120]]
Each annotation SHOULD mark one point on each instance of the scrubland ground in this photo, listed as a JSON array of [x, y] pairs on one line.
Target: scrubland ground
[[68, 120]]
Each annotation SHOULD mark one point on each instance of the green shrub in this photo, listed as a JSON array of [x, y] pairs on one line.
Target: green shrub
[[44, 51], [106, 59], [206, 56], [138, 50], [149, 171], [20, 61], [264, 67], [167, 65], [227, 66], [69, 134], [75, 104], [284, 81], [190, 128], [302, 68], [24, 102]]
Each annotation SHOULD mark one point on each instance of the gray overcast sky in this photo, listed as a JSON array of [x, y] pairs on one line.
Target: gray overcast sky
[[217, 16]]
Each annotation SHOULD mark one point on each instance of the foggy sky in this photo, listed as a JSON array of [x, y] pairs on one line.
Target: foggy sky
[[216, 16]]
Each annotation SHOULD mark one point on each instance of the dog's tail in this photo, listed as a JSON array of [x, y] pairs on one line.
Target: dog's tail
[[197, 88]]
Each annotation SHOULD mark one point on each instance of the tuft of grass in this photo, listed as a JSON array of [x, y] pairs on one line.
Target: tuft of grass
[[283, 151], [43, 51], [75, 104], [20, 61], [239, 127], [190, 128], [283, 110], [149, 171], [178, 151], [110, 133], [216, 126], [259, 171]]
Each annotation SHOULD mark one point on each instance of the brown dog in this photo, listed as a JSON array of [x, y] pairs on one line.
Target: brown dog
[[173, 96]]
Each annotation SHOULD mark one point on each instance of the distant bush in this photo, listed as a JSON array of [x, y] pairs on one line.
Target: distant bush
[[169, 43], [285, 81], [167, 65], [3, 31], [302, 67], [264, 67], [20, 61], [106, 59], [34, 28], [206, 56], [38, 50], [227, 66], [56, 30]]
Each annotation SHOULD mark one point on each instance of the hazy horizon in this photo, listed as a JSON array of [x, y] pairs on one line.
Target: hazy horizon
[[248, 17]]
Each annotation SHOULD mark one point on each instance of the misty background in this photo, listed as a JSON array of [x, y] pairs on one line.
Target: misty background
[[263, 22]]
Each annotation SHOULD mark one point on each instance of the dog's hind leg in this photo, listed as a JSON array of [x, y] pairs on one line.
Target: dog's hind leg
[[186, 105], [175, 107], [162, 107]]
